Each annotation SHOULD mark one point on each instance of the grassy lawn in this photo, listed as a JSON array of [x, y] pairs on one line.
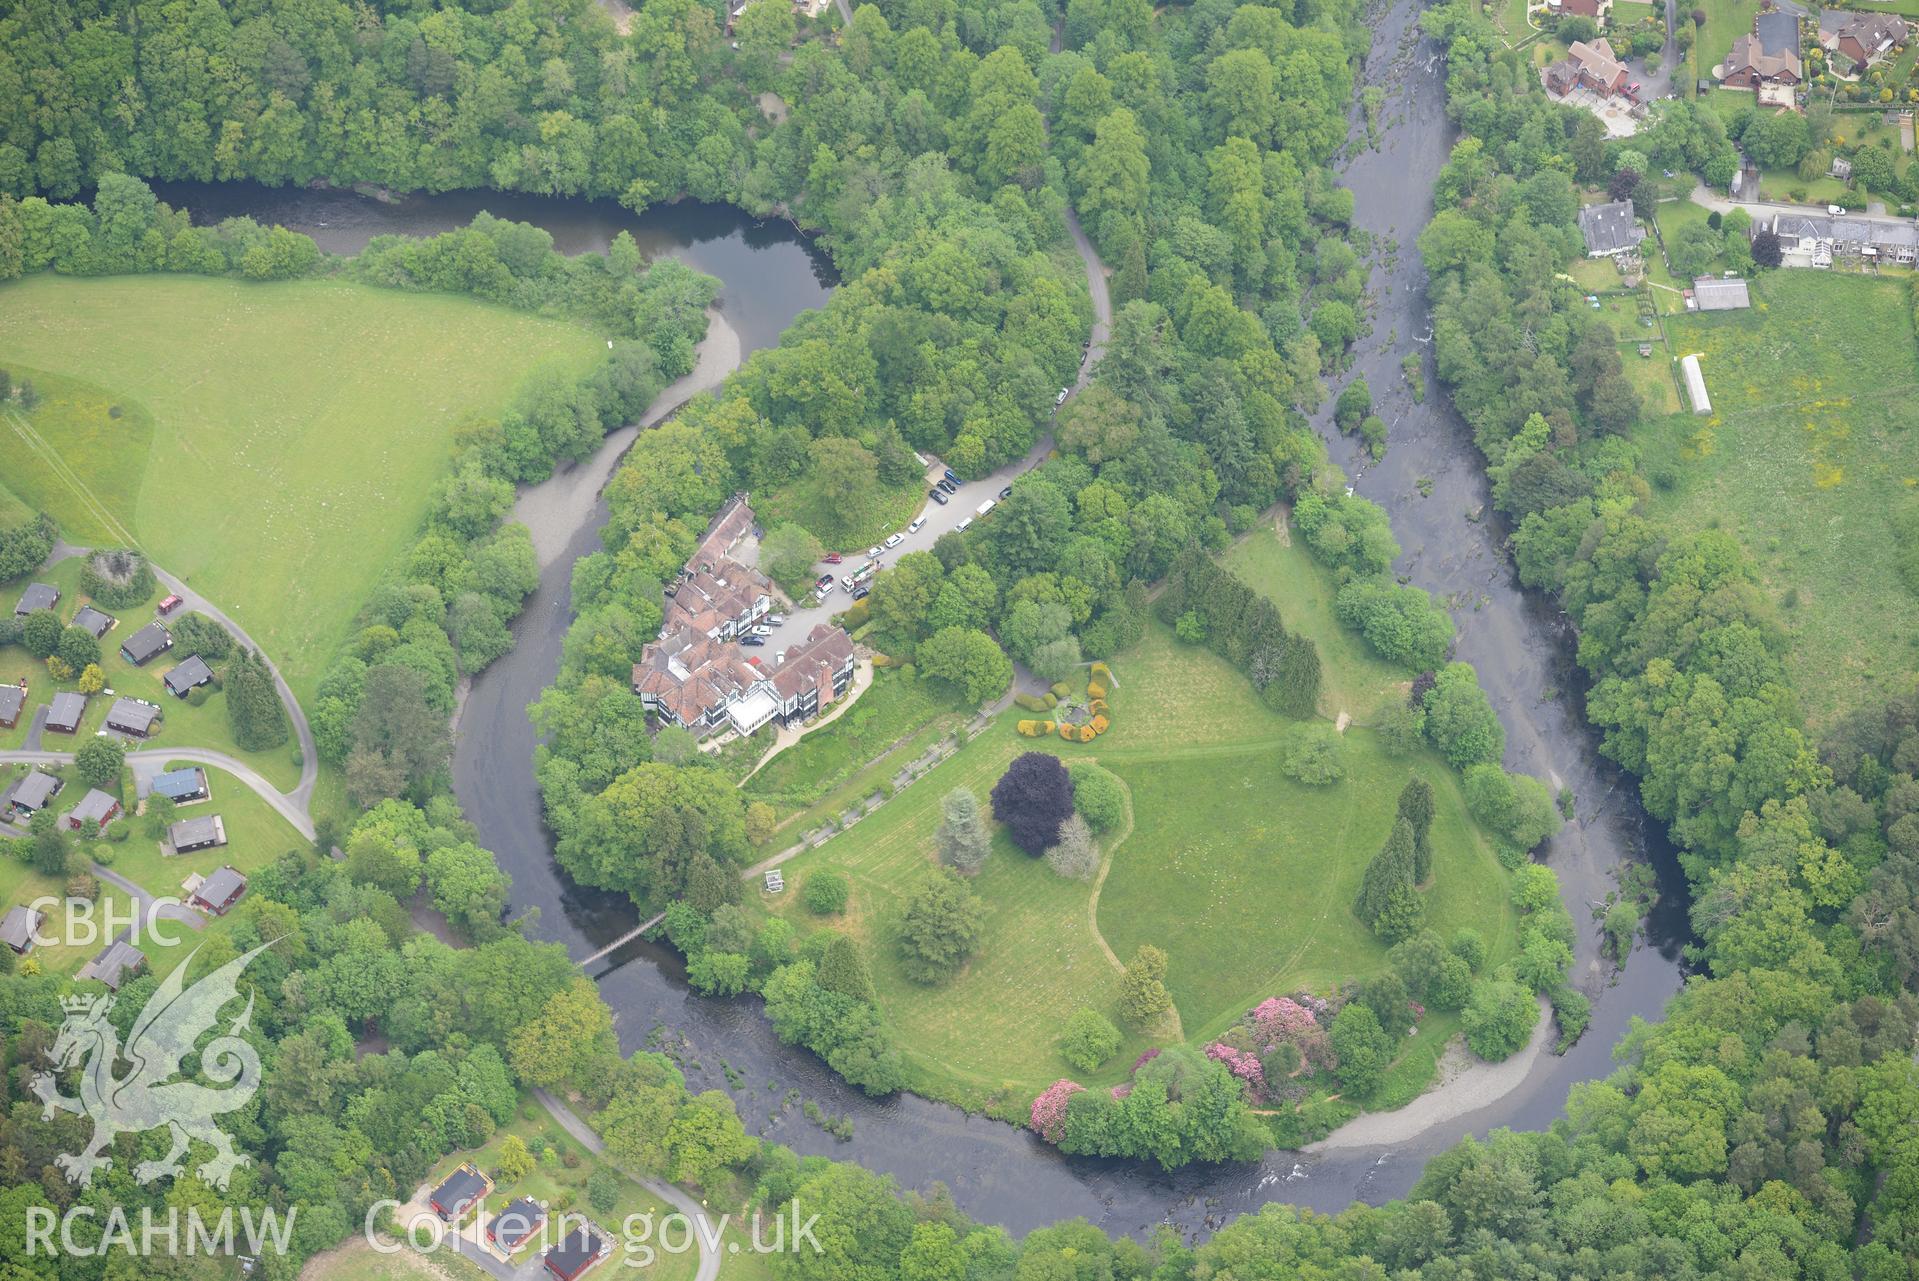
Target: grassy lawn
[[1199, 883], [183, 725], [277, 442], [1726, 21], [1353, 679], [20, 885], [895, 712], [256, 836], [1810, 450], [843, 529]]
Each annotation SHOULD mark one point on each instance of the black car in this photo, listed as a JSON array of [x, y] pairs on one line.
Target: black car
[[753, 640], [1006, 493], [952, 476], [950, 486], [937, 494]]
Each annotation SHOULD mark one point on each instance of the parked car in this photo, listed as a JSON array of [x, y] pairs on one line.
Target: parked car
[[761, 629], [834, 558], [1006, 493], [961, 527], [1060, 399], [1837, 211], [919, 522], [862, 593], [952, 475], [894, 540], [825, 588], [775, 620], [170, 604], [873, 553], [937, 494], [986, 506], [752, 640], [950, 485]]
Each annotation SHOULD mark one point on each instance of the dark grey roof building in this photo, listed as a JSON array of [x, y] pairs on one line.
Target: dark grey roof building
[[66, 711], [17, 928], [177, 785], [146, 644], [94, 621], [116, 963], [37, 596], [12, 699], [131, 716], [183, 678], [219, 891], [35, 790], [96, 806], [1610, 229], [191, 834]]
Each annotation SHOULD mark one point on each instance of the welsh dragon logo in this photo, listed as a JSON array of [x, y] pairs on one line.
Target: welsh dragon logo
[[147, 1097]]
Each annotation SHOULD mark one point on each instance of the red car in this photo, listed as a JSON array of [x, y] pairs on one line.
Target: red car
[[833, 558], [170, 604]]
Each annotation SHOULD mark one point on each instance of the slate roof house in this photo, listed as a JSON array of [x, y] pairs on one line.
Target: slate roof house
[[37, 596], [219, 891], [34, 791], [1610, 229], [512, 1226], [18, 926], [191, 834], [116, 963], [146, 645], [462, 1190], [94, 621], [695, 678], [95, 805], [1768, 54], [576, 1252], [187, 676], [12, 700], [66, 711], [1814, 240], [131, 716], [182, 785], [1860, 39]]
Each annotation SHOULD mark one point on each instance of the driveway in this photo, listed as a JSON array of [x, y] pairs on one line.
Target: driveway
[[148, 762]]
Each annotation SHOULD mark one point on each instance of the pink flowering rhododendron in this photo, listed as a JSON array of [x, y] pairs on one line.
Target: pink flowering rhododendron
[[1284, 1021], [1048, 1118], [1121, 1090], [1242, 1064], [1145, 1058]]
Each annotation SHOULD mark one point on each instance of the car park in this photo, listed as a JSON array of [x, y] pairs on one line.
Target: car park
[[937, 494], [919, 523], [894, 540]]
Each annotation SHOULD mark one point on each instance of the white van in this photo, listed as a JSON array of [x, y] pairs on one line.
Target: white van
[[986, 506]]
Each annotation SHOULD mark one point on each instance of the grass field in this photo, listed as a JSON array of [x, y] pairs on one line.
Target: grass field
[[184, 724], [897, 713], [256, 836], [1810, 450], [276, 443], [844, 529], [1217, 840]]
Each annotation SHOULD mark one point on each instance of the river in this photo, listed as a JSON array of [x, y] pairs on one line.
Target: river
[[999, 1173]]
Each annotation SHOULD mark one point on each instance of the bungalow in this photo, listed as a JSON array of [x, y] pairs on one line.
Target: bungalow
[[96, 806], [94, 621], [19, 926], [12, 699], [1768, 54], [66, 711], [218, 892], [512, 1226], [146, 645], [576, 1252], [1597, 10], [182, 785], [188, 676], [463, 1189], [33, 792], [191, 834], [131, 716], [1610, 229], [116, 963], [37, 596], [1860, 39]]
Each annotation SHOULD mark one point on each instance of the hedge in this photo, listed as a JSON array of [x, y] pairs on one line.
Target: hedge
[[1102, 673], [1031, 702], [1061, 689]]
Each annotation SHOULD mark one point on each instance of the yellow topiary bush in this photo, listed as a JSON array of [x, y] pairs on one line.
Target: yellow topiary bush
[[1087, 733], [1097, 707], [1028, 728], [1102, 673], [1096, 690], [1099, 724], [1066, 731]]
